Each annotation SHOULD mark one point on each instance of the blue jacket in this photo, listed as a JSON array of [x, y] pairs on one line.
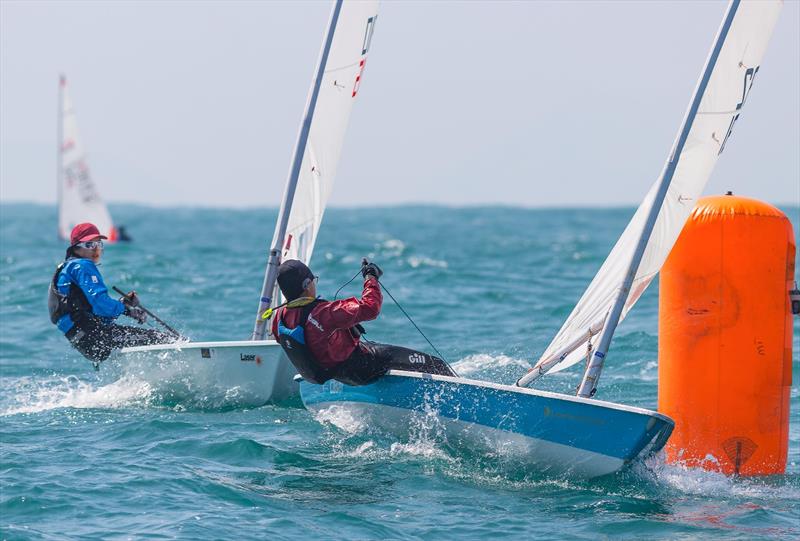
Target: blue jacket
[[84, 274]]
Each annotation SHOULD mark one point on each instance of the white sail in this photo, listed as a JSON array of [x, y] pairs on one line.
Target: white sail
[[742, 39], [78, 199], [335, 85], [339, 88]]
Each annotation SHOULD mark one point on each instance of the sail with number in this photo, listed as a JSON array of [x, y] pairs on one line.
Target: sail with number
[[78, 199], [338, 89], [319, 143], [720, 95]]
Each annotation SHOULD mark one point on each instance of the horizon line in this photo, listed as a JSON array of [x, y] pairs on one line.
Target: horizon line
[[406, 204]]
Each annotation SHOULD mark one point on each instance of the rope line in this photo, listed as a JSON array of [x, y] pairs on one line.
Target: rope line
[[412, 322], [401, 309]]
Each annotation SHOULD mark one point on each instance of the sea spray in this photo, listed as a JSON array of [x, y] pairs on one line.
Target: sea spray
[[34, 395]]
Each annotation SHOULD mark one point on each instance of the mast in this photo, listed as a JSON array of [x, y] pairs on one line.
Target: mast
[[59, 144], [271, 272], [591, 376]]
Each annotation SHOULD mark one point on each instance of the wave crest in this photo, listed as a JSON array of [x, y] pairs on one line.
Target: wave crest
[[35, 395]]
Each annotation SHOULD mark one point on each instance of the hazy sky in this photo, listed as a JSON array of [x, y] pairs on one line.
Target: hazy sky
[[530, 103]]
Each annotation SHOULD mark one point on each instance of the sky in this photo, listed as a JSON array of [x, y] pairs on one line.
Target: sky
[[540, 104]]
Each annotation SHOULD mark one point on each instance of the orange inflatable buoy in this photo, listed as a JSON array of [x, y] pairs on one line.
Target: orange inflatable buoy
[[725, 337]]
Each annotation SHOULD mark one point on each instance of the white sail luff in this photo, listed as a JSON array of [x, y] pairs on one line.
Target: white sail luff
[[595, 364], [340, 85], [271, 273], [78, 198], [710, 121], [335, 85]]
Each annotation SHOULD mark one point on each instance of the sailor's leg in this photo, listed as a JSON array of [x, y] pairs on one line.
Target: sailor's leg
[[92, 340], [124, 336], [400, 358], [361, 368]]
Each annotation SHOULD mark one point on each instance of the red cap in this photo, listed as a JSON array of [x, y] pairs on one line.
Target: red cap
[[84, 232]]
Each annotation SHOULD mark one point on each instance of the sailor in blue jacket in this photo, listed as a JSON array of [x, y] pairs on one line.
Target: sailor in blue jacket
[[80, 306]]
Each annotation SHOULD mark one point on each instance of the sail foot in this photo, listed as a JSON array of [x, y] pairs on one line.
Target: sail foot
[[545, 365]]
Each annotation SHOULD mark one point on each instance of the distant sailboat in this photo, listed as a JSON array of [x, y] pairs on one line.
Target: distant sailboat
[[78, 198], [577, 434], [258, 369]]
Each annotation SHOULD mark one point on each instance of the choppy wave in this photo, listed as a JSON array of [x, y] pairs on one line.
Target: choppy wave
[[480, 363], [700, 482], [422, 261], [160, 389], [34, 395], [342, 418], [149, 451]]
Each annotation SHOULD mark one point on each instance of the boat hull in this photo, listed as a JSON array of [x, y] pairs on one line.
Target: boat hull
[[245, 373], [547, 432]]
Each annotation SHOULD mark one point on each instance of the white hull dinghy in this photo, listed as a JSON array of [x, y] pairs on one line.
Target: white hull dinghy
[[580, 434], [246, 372], [259, 365]]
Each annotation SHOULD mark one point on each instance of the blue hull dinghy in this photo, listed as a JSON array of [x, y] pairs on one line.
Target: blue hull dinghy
[[550, 432], [579, 434]]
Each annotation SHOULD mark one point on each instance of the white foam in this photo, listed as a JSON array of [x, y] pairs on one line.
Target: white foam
[[35, 395], [482, 361], [696, 481], [415, 262], [649, 372], [341, 418], [393, 247], [426, 434], [364, 448], [418, 448]]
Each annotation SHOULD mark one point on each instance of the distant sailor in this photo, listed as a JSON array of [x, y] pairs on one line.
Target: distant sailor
[[323, 338], [122, 234], [80, 306]]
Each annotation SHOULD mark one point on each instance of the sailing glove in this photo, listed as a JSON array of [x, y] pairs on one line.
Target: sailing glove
[[136, 313], [131, 299], [371, 269]]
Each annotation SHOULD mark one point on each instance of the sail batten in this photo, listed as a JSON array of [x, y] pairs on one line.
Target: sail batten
[[724, 86]]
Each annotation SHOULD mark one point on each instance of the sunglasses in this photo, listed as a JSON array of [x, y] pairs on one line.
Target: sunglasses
[[91, 244]]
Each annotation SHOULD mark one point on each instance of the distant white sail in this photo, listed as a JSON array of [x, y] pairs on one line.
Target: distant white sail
[[342, 76], [78, 199], [748, 27]]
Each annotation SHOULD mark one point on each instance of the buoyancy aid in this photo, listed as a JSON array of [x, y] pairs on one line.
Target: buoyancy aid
[[293, 341], [73, 303]]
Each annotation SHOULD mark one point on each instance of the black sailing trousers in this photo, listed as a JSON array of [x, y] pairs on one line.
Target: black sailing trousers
[[96, 340], [371, 360]]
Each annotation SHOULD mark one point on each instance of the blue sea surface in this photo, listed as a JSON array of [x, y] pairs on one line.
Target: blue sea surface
[[83, 456]]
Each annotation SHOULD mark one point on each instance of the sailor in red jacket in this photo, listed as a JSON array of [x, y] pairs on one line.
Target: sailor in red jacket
[[328, 344]]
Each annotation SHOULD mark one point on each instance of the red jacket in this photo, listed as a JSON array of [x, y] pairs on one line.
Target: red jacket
[[327, 330]]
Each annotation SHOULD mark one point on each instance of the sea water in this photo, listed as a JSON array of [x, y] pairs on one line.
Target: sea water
[[88, 455]]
